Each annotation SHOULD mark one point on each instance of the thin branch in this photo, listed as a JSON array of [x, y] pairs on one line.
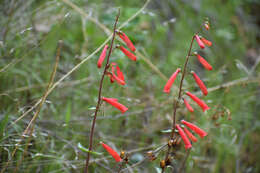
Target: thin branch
[[32, 122]]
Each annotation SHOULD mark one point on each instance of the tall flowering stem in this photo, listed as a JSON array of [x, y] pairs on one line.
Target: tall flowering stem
[[176, 102], [100, 93]]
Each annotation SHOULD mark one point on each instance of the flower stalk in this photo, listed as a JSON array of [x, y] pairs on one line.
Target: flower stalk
[[99, 94]]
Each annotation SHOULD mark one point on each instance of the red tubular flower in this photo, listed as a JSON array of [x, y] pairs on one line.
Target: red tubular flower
[[188, 106], [205, 41], [200, 83], [119, 77], [184, 137], [203, 62], [102, 56], [128, 53], [127, 41], [203, 105], [200, 43], [120, 73], [112, 152], [114, 103], [194, 128], [167, 87], [190, 135]]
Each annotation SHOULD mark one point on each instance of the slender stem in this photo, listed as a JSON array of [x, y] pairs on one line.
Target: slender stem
[[180, 88], [120, 167], [99, 94], [176, 102], [184, 161]]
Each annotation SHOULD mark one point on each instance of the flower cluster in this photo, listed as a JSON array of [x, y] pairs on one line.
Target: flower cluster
[[192, 127], [115, 73], [185, 134]]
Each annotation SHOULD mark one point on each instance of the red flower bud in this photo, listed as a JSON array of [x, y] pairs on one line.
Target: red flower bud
[[203, 62], [206, 25], [200, 43], [127, 41], [128, 53], [102, 56], [200, 83], [203, 105], [119, 77], [190, 135], [114, 103], [167, 87], [184, 137], [112, 152], [188, 106], [205, 41], [194, 128]]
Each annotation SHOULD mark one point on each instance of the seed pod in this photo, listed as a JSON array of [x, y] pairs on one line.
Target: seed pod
[[122, 154], [170, 143], [162, 164]]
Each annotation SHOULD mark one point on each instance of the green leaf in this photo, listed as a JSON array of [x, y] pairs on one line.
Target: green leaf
[[166, 131], [68, 113], [82, 148], [3, 124]]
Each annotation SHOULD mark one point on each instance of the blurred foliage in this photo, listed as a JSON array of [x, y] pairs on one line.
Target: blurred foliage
[[30, 31]]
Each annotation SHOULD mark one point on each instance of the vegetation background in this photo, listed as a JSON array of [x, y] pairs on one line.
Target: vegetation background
[[29, 34]]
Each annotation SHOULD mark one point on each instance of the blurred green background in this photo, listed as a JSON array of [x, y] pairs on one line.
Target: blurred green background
[[162, 31]]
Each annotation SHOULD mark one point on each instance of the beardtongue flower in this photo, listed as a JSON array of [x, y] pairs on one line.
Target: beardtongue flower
[[205, 41], [203, 105], [112, 152], [119, 78], [195, 128], [120, 73], [205, 64], [184, 137], [127, 41], [190, 135], [188, 106], [200, 83], [200, 43], [114, 103], [102, 56], [128, 53], [167, 87]]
